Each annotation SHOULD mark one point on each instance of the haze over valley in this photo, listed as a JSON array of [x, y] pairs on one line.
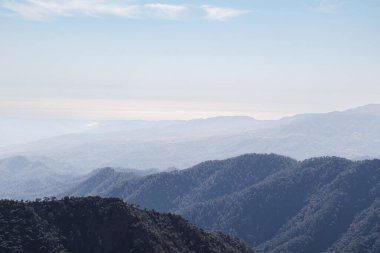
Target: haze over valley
[[353, 134], [196, 126]]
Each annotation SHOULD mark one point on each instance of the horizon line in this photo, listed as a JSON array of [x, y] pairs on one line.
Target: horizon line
[[144, 110]]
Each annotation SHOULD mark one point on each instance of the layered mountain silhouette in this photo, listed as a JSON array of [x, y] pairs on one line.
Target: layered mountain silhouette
[[101, 181], [354, 134], [23, 178], [274, 203], [92, 224]]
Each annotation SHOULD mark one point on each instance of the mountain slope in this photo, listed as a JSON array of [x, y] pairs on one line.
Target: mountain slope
[[330, 210], [363, 235], [101, 181], [212, 179], [102, 225], [272, 202], [304, 209], [22, 178]]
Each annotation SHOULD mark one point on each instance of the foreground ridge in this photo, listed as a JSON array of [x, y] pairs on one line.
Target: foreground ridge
[[94, 224]]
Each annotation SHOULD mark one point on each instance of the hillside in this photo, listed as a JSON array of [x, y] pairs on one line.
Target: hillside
[[272, 202], [23, 178], [27, 179], [101, 181], [92, 224]]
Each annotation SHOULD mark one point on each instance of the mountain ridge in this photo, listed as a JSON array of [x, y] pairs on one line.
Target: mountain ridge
[[353, 133], [94, 224], [283, 205]]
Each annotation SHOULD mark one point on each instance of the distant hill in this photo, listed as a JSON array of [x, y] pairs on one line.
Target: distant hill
[[87, 225], [274, 203], [354, 134], [101, 181], [23, 178], [19, 131]]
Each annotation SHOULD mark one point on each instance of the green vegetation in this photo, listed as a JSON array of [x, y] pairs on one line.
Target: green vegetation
[[94, 224], [274, 203]]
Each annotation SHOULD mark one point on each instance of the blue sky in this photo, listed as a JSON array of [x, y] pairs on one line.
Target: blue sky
[[119, 59]]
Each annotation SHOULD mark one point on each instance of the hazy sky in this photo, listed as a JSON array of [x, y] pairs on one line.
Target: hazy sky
[[119, 59]]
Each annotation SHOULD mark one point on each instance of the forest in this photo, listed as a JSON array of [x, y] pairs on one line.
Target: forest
[[94, 224], [274, 203]]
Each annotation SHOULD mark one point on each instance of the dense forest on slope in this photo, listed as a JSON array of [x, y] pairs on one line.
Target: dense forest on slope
[[274, 203], [101, 181], [93, 224], [167, 191]]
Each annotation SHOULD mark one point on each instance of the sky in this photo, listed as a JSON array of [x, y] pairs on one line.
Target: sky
[[125, 59]]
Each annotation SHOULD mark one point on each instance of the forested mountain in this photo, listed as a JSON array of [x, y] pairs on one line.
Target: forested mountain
[[101, 181], [274, 203], [93, 224], [354, 134]]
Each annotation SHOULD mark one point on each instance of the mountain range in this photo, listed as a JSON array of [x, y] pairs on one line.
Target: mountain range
[[354, 134], [27, 179], [274, 203]]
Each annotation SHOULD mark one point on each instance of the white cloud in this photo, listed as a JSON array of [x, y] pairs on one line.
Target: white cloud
[[166, 11], [328, 6], [221, 13], [45, 9]]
